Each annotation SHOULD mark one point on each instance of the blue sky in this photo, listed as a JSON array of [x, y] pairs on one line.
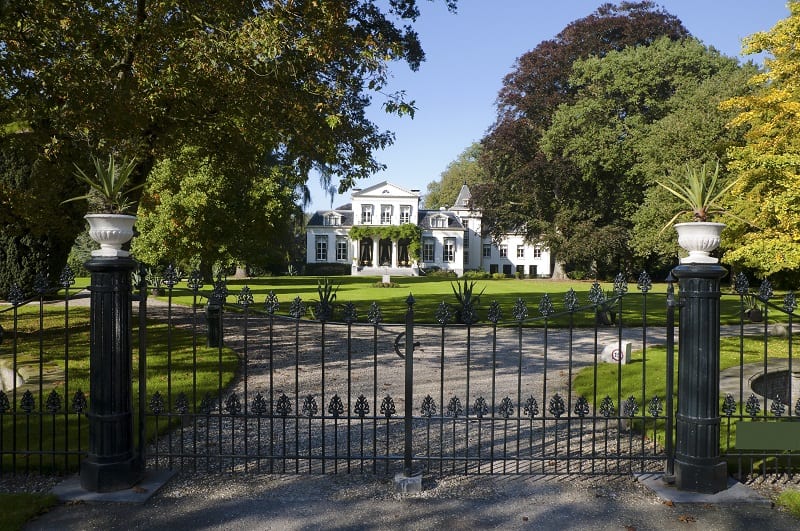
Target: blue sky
[[470, 52]]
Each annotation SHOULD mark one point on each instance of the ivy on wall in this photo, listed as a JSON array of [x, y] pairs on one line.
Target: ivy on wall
[[406, 231]]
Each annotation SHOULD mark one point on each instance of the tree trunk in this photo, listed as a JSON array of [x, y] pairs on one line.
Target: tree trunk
[[558, 270], [241, 271]]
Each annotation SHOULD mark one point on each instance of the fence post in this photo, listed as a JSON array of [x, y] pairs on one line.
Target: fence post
[[698, 465], [111, 464], [409, 391]]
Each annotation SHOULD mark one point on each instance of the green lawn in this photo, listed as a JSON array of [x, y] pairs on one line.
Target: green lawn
[[17, 508], [57, 432], [620, 385], [430, 292]]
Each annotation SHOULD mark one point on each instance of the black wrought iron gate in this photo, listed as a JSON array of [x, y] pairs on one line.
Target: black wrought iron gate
[[348, 393]]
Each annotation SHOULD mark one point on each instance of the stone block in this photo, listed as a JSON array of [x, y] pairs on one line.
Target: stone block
[[616, 352]]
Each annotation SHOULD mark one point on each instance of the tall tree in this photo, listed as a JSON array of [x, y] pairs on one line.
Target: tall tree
[[604, 132], [769, 163], [541, 190], [197, 212], [238, 80], [464, 170]]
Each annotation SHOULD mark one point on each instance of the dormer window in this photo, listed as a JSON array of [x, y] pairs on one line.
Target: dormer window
[[439, 222], [333, 219]]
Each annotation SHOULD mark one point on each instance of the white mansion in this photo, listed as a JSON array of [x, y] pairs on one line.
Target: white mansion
[[451, 239]]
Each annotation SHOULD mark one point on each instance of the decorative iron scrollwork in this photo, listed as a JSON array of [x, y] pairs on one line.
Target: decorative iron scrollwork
[[171, 276], [67, 278], [310, 407], [495, 313], [607, 408], [546, 306], [260, 405], [271, 304], [556, 407], [520, 310], [443, 314], [156, 403], [79, 402], [571, 302], [506, 407], [245, 298], [789, 302], [582, 407], [41, 284], [765, 290], [531, 408], [207, 404], [361, 408], [480, 407], [5, 406], [15, 295], [778, 408], [387, 407], [27, 403], [655, 407], [740, 284], [644, 283], [233, 405], [53, 403], [631, 407], [375, 316], [349, 313], [729, 405], [753, 406], [181, 404], [428, 407], [620, 284], [336, 407], [195, 281], [596, 294], [454, 408], [284, 405], [297, 308]]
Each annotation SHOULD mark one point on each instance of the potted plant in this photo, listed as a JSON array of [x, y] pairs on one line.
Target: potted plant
[[699, 192], [108, 198]]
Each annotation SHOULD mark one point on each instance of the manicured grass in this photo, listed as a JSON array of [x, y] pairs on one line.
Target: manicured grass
[[17, 508], [56, 432], [429, 292], [620, 385], [790, 500]]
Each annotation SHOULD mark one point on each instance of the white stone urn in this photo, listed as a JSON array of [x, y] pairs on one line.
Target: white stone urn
[[699, 238], [110, 231]]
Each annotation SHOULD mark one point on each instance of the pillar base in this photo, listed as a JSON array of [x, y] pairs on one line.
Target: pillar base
[[109, 477], [706, 478]]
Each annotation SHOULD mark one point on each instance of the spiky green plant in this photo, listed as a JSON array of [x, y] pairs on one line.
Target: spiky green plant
[[108, 186], [697, 189]]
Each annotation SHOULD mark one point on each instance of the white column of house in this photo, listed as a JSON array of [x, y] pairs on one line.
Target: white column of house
[[375, 248], [394, 253]]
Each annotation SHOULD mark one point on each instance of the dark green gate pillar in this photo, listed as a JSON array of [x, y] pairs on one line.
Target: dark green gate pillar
[[698, 465], [111, 464]]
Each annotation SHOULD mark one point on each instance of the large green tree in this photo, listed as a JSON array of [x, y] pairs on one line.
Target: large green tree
[[628, 104], [769, 163], [197, 212], [543, 192], [289, 79], [464, 170]]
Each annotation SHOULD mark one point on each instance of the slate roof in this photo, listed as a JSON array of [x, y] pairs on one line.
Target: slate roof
[[425, 216], [318, 219]]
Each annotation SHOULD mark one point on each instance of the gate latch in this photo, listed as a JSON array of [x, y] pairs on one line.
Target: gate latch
[[400, 343]]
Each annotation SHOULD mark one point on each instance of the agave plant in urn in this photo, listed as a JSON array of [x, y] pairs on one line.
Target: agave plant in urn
[[700, 193], [109, 202]]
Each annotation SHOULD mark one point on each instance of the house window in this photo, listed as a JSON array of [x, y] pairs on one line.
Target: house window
[[439, 222], [487, 250], [503, 250], [405, 214], [520, 251], [465, 221], [366, 214], [428, 246], [321, 248], [386, 214], [537, 252], [341, 248], [449, 249], [332, 219]]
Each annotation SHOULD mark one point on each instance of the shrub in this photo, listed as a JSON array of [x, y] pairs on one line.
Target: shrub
[[498, 276], [441, 273], [380, 284], [477, 275], [325, 269]]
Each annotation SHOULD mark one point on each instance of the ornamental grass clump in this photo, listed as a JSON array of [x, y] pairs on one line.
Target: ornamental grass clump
[[699, 192]]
